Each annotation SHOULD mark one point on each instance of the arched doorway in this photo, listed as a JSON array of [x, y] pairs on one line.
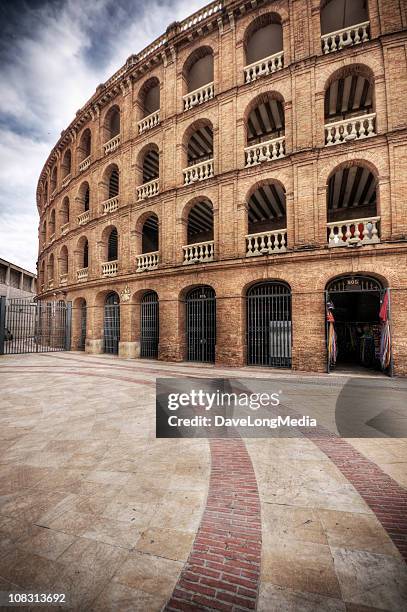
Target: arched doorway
[[269, 325], [149, 325], [358, 325], [111, 324], [201, 324]]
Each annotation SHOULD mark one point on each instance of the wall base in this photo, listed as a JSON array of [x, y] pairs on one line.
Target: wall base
[[94, 347]]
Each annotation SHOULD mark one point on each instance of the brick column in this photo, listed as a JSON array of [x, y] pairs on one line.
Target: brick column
[[172, 341], [308, 332], [230, 332]]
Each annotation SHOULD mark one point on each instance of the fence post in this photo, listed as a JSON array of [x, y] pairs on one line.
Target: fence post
[[2, 323], [68, 326]]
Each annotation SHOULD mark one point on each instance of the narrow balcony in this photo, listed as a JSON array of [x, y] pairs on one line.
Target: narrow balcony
[[353, 232], [110, 205], [266, 66], [199, 96], [198, 172], [110, 268], [148, 261], [63, 279], [84, 218], [265, 151], [84, 165], [52, 238], [42, 287], [82, 274], [354, 128], [266, 243], [148, 190], [67, 180], [51, 283], [347, 37], [201, 252], [149, 122], [112, 144], [64, 228]]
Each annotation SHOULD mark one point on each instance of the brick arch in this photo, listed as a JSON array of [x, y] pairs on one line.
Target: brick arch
[[261, 183], [333, 166], [195, 55], [369, 67], [378, 277]]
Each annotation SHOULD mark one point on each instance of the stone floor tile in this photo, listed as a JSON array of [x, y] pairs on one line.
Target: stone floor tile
[[116, 597], [149, 573], [273, 598], [168, 543]]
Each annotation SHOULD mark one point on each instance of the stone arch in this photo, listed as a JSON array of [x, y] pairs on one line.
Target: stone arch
[[198, 68], [111, 123], [149, 96], [85, 145], [263, 37]]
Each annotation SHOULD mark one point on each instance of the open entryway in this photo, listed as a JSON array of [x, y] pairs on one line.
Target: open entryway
[[358, 325]]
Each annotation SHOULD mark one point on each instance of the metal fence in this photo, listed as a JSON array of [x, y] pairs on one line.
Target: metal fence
[[149, 325], [34, 327], [201, 324]]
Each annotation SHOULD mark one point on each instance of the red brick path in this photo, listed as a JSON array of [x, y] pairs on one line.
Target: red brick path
[[223, 569]]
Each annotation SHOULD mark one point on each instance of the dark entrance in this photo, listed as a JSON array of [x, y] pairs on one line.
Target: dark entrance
[[358, 323], [34, 327], [201, 324], [111, 324], [82, 337], [269, 325], [149, 325]]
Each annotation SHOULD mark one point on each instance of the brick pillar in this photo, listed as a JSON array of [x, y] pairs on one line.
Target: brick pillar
[[398, 299], [230, 332], [308, 332], [172, 341], [128, 347]]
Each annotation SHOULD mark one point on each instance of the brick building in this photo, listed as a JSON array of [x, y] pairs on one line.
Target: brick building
[[243, 172]]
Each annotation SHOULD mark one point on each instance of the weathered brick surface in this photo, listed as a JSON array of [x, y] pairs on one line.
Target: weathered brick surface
[[308, 264]]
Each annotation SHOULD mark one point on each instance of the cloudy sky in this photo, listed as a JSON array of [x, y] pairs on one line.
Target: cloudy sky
[[53, 54]]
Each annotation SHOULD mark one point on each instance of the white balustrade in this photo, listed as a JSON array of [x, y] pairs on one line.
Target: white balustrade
[[266, 243], [148, 190], [82, 274], [42, 287], [52, 237], [198, 172], [64, 228], [63, 279], [66, 180], [199, 96], [353, 232], [265, 151], [268, 65], [352, 35], [110, 205], [84, 164], [354, 128], [112, 144], [109, 268], [199, 252], [51, 283], [84, 217], [147, 261], [149, 122]]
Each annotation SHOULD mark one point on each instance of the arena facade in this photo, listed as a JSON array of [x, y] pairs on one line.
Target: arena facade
[[238, 190]]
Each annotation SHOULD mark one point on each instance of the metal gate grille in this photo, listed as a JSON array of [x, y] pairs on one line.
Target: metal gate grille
[[33, 327], [111, 327], [82, 337], [149, 325], [201, 324], [269, 325]]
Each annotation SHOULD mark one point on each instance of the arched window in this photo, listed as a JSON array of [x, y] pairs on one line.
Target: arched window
[[64, 213], [263, 44], [112, 123], [200, 244], [51, 267], [53, 179], [85, 145], [86, 254], [150, 97], [265, 130], [112, 246], [343, 23], [63, 263], [267, 220], [149, 242], [44, 233], [151, 165], [114, 183], [198, 77], [66, 164], [52, 223]]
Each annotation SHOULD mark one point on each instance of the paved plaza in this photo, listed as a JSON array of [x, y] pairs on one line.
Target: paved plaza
[[94, 506]]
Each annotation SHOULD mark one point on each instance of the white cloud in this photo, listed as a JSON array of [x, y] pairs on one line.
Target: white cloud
[[49, 75]]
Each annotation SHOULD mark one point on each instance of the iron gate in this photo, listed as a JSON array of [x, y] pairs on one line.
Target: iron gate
[[201, 324], [111, 324], [82, 337], [34, 327], [149, 325], [269, 325]]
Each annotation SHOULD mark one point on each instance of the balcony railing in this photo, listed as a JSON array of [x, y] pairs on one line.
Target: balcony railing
[[148, 190], [353, 232], [149, 122], [51, 283], [66, 180], [84, 217], [266, 243], [265, 151], [110, 205], [85, 164], [198, 172], [112, 144], [82, 274], [268, 65], [148, 261], [52, 237], [109, 268], [64, 228], [346, 130], [353, 35], [199, 96], [63, 279], [199, 252], [42, 287]]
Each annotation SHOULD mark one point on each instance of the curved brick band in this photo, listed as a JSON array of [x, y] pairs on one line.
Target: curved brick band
[[223, 570]]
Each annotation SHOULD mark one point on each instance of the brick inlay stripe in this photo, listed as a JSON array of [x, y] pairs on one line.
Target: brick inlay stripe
[[223, 569]]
